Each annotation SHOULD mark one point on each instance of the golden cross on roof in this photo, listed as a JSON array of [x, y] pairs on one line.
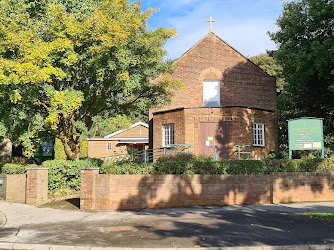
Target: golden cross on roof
[[210, 21]]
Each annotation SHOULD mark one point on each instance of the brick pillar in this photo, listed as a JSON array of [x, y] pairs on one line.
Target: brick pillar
[[37, 186], [88, 187]]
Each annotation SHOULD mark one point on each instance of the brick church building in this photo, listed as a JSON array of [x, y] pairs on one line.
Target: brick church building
[[227, 101]]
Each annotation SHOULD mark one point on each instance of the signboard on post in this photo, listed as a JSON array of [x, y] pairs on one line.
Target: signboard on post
[[306, 134]]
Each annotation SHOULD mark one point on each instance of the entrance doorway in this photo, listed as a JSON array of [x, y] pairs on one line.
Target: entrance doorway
[[213, 134]]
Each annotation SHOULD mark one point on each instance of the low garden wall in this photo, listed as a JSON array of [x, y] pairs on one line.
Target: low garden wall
[[112, 192], [30, 188]]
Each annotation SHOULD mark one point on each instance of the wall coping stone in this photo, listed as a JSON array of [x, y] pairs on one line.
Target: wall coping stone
[[37, 169], [88, 168]]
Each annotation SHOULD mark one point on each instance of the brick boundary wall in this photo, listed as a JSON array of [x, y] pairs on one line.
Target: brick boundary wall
[[37, 186], [13, 187], [16, 188], [30, 188], [116, 192]]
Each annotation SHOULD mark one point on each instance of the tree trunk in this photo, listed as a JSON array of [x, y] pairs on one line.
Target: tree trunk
[[71, 147], [71, 143]]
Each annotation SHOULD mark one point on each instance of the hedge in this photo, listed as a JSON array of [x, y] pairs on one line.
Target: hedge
[[66, 175], [16, 168], [62, 174], [233, 167]]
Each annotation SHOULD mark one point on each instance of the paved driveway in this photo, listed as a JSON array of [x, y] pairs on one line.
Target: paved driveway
[[253, 225]]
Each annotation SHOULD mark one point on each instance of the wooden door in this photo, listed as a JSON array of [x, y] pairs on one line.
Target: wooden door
[[214, 134]]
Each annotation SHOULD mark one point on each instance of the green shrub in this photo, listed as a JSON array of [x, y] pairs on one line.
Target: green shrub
[[126, 167], [176, 158], [197, 165], [235, 167], [279, 154], [84, 149], [202, 165], [67, 174], [13, 168], [59, 150]]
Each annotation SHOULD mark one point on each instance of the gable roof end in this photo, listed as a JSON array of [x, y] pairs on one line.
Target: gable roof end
[[227, 45], [123, 130]]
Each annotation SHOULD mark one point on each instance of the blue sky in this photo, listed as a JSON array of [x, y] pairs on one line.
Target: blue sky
[[241, 23]]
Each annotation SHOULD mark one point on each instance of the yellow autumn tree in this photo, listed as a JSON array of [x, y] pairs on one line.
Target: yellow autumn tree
[[62, 63]]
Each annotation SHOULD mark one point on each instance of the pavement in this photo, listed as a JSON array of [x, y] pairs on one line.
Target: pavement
[[245, 227]]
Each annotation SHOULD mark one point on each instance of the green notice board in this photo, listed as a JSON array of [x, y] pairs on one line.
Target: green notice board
[[306, 134]]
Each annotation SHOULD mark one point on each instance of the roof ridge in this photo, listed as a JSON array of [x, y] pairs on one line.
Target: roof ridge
[[123, 130]]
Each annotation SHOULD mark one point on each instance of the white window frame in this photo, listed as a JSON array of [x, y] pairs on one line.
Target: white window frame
[[109, 146], [258, 135], [168, 134], [211, 99]]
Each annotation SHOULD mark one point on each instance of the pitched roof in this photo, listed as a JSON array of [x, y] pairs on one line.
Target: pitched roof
[[123, 130]]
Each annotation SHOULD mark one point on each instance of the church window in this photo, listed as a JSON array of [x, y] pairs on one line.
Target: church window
[[211, 93], [168, 134], [258, 134]]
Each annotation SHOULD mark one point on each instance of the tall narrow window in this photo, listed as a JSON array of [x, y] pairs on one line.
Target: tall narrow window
[[109, 146], [168, 134], [258, 134], [211, 93]]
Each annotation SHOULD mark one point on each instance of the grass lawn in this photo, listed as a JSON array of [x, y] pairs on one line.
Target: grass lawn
[[321, 216]]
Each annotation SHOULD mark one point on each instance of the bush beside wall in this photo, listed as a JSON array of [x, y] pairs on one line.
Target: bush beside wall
[[13, 168], [66, 175], [207, 166], [63, 174]]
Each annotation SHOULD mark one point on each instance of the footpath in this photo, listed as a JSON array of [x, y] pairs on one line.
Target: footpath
[[242, 227]]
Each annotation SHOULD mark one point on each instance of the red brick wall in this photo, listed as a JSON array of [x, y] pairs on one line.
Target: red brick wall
[[299, 187], [112, 192], [88, 188], [37, 186], [186, 126]]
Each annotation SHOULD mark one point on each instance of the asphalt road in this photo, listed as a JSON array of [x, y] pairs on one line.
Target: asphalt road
[[254, 225]]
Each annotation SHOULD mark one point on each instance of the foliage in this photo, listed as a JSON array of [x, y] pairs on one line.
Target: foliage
[[84, 149], [59, 150], [1, 165], [176, 157], [64, 63], [67, 174], [321, 216], [104, 125], [15, 168], [279, 154], [126, 167], [271, 67], [208, 166], [285, 105], [306, 52]]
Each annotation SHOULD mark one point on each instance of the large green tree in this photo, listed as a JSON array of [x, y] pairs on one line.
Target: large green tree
[[285, 105], [305, 41], [64, 63]]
